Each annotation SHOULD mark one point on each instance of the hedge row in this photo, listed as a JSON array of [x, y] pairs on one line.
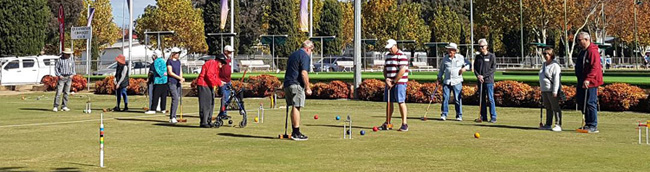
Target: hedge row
[[107, 86], [78, 83]]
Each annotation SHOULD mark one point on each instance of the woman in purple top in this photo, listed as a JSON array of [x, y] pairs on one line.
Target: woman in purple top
[[175, 80]]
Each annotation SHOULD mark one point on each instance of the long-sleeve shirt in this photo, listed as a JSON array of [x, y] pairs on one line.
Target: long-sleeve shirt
[[549, 77], [160, 75], [588, 67], [122, 76], [65, 67], [485, 65], [449, 69], [209, 76]]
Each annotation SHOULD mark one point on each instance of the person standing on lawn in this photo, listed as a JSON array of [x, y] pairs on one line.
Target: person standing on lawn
[[296, 85], [206, 82], [174, 82], [589, 72], [160, 88], [549, 83], [121, 83], [484, 67], [224, 76], [451, 70], [64, 69], [396, 73]]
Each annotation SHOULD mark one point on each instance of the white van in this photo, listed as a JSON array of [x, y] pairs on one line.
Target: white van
[[26, 70]]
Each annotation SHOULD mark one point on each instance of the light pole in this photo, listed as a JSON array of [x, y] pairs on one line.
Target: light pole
[[636, 36], [521, 26]]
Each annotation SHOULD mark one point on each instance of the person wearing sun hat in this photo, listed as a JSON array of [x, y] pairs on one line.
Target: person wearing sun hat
[[121, 83], [174, 82], [450, 75], [64, 69]]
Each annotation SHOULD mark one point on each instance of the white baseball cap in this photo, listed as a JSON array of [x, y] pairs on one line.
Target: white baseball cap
[[390, 43], [176, 50], [229, 48]]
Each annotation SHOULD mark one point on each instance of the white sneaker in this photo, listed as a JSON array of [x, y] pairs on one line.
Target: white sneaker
[[55, 109], [163, 111], [459, 119], [557, 128], [150, 112], [173, 121], [65, 109], [444, 118]]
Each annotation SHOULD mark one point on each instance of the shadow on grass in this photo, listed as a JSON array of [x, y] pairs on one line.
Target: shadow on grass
[[176, 125], [397, 116], [336, 126], [504, 126], [80, 164], [66, 169], [141, 120], [36, 109], [12, 169], [245, 136]]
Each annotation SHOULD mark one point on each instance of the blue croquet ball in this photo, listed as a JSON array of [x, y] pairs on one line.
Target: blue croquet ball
[[362, 132], [348, 132], [338, 118]]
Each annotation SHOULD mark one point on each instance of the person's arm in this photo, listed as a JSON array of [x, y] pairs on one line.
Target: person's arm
[[170, 73], [464, 68], [594, 63], [57, 68], [493, 66], [477, 68], [213, 74], [74, 71], [122, 76], [556, 79], [402, 62], [304, 71], [441, 70]]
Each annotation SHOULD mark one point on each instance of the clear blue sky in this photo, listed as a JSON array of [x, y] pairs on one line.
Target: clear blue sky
[[138, 9]]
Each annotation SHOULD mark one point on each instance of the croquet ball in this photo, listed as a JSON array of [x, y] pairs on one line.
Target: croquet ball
[[338, 117], [89, 111], [85, 111], [315, 116], [104, 110], [423, 118], [362, 132], [477, 135], [256, 119], [229, 121], [348, 132], [375, 129], [23, 97]]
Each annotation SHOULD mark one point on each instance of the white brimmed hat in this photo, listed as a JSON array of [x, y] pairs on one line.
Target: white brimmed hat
[[176, 50], [157, 53], [390, 43], [452, 46], [67, 51]]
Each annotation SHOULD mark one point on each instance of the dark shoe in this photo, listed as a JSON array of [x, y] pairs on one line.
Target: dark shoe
[[493, 121], [205, 126], [386, 126], [478, 120], [405, 127], [299, 137], [125, 109], [116, 109]]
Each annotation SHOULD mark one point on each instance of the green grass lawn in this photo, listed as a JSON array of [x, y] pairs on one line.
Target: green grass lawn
[[35, 139]]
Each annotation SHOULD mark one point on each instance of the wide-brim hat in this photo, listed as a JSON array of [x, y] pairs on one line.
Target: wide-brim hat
[[67, 51], [120, 59], [452, 46]]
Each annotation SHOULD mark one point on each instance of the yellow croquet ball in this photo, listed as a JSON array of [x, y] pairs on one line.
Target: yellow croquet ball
[[256, 119], [477, 135]]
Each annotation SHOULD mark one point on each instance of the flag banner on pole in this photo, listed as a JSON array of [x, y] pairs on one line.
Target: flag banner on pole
[[90, 18], [304, 16], [128, 4], [224, 14], [61, 26]]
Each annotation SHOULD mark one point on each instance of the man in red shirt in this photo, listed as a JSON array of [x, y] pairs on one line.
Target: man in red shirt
[[589, 72], [224, 75], [207, 80]]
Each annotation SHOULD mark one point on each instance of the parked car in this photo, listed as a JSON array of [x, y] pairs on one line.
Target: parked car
[[26, 70], [138, 68], [329, 64]]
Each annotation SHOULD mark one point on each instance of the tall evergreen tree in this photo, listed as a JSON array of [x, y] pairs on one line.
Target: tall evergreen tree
[[23, 27], [331, 24]]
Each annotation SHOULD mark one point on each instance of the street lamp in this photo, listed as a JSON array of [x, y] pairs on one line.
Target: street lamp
[[636, 36]]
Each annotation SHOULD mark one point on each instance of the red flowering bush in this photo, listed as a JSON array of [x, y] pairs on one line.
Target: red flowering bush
[[511, 93], [371, 89], [469, 95], [620, 96], [427, 91], [78, 83], [106, 86], [50, 82], [137, 87], [262, 85], [413, 93]]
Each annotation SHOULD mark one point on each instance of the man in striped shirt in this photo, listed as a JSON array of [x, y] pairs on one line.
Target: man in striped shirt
[[64, 70], [396, 74], [452, 68]]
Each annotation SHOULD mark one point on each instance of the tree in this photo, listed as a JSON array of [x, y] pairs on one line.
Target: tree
[[178, 16], [250, 25], [374, 20], [23, 27], [347, 34], [445, 26], [212, 22], [72, 10], [410, 26], [105, 31], [331, 25], [282, 21]]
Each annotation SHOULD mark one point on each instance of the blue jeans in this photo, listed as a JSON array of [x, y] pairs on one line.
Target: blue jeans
[[121, 93], [591, 115], [488, 90], [458, 88], [225, 97]]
